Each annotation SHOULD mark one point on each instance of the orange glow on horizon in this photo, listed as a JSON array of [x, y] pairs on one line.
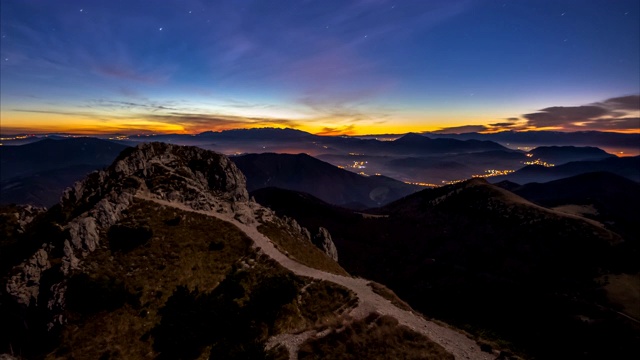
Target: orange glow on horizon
[[42, 123]]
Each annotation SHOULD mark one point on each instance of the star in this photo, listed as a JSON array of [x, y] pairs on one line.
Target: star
[[81, 10], [160, 29]]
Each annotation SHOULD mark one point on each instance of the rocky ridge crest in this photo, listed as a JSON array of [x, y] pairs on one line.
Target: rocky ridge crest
[[197, 178]]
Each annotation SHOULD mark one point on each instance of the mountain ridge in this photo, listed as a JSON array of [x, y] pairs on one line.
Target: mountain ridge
[[117, 220]]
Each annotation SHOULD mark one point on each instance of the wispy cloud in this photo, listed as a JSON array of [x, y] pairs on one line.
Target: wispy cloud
[[615, 114], [341, 130]]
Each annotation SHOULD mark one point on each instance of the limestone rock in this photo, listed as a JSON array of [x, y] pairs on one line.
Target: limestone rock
[[324, 242], [24, 285]]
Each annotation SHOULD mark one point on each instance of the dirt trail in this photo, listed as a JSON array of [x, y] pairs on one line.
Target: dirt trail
[[456, 343]]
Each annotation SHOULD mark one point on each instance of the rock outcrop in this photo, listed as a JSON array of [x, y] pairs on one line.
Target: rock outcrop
[[24, 284], [198, 178], [26, 214], [324, 242]]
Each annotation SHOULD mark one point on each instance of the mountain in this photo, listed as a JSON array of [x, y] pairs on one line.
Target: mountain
[[51, 154], [418, 143], [606, 197], [163, 255], [305, 173], [43, 188], [628, 167], [37, 173], [539, 138], [564, 154], [257, 134], [487, 260]]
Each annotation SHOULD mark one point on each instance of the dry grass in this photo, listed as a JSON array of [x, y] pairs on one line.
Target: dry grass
[[624, 291], [321, 302], [301, 250], [388, 294], [375, 337], [175, 255], [198, 253]]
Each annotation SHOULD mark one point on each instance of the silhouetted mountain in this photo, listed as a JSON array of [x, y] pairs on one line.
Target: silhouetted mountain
[[628, 167], [257, 134], [307, 206], [51, 154], [508, 185], [476, 254], [423, 144], [43, 188], [307, 174], [564, 154], [611, 199], [539, 138]]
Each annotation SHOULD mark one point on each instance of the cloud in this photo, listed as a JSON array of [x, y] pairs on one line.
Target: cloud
[[614, 114], [560, 116], [333, 131], [461, 129], [631, 103], [195, 122]]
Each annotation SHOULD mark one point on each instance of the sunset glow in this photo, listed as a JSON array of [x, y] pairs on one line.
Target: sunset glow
[[334, 67]]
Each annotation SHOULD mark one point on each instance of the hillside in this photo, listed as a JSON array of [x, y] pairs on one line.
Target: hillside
[[306, 174], [163, 255], [42, 188], [628, 167], [489, 261], [38, 172], [606, 197], [50, 154], [564, 154]]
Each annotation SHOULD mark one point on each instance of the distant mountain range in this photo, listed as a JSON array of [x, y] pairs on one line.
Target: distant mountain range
[[628, 167], [412, 158], [304, 173], [38, 172], [51, 154], [540, 138]]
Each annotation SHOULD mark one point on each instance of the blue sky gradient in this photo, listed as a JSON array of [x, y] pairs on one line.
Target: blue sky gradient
[[354, 67]]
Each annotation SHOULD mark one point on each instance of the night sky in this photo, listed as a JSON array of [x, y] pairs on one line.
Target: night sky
[[328, 67]]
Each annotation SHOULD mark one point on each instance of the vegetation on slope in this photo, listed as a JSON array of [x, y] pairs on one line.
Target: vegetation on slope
[[299, 249], [487, 261], [189, 286], [374, 337]]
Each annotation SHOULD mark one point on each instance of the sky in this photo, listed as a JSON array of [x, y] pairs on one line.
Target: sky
[[323, 66]]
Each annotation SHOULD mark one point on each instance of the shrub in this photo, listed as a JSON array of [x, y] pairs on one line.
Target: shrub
[[127, 237], [87, 295]]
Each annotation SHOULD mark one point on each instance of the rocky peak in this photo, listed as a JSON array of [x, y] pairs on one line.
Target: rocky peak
[[197, 178], [170, 172]]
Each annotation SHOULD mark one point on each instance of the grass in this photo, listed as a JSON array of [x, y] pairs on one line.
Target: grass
[[624, 290], [300, 249], [194, 288], [321, 302], [176, 255], [375, 337], [388, 294]]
